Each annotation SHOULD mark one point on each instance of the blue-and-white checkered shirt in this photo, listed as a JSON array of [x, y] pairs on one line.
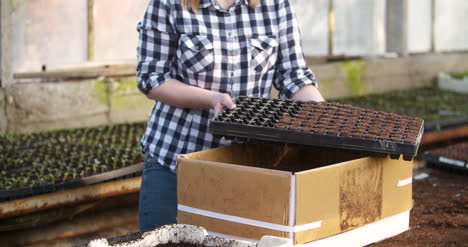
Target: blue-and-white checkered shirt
[[239, 51]]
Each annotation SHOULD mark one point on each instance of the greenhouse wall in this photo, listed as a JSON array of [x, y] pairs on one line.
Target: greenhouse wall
[[60, 36], [64, 38], [71, 104]]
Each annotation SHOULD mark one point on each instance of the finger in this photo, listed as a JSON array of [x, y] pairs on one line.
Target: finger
[[227, 102], [218, 108]]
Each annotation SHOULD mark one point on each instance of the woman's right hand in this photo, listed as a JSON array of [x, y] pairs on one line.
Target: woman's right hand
[[178, 94], [219, 101]]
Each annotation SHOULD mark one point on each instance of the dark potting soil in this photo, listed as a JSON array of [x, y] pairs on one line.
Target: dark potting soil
[[439, 217], [346, 120]]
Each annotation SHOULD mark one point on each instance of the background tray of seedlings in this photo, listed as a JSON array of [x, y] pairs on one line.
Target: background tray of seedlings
[[439, 108], [453, 156], [38, 163], [321, 124]]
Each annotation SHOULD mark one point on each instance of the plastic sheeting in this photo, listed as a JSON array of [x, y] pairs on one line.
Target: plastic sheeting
[[312, 17], [451, 28], [55, 33], [419, 25], [115, 22], [49, 32]]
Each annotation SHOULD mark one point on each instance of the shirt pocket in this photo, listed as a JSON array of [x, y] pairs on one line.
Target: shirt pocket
[[263, 52], [196, 53]]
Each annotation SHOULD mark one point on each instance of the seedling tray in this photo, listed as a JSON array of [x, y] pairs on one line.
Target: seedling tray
[[37, 189], [321, 124], [453, 157], [436, 125], [38, 163], [439, 108]]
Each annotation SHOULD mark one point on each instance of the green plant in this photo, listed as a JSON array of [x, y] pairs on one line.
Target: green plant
[[459, 74]]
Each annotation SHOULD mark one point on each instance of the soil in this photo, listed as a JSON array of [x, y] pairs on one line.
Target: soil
[[345, 120], [440, 213]]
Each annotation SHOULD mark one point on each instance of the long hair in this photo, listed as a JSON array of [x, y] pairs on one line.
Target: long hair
[[193, 4]]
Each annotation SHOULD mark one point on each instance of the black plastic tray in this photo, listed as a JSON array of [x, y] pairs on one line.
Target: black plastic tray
[[262, 127], [17, 193], [444, 161]]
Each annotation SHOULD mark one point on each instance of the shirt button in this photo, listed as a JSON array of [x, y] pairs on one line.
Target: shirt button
[[233, 53], [232, 74], [229, 34]]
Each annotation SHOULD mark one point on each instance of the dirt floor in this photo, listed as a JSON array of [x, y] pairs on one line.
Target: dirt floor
[[440, 213]]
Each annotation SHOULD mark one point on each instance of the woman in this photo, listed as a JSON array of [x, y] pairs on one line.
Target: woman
[[194, 56]]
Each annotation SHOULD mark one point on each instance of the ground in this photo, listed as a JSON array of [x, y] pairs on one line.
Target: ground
[[440, 213]]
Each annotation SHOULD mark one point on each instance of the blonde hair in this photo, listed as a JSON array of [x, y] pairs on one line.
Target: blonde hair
[[193, 4]]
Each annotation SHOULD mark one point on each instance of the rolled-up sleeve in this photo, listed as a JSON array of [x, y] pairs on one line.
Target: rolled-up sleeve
[[157, 46], [292, 72]]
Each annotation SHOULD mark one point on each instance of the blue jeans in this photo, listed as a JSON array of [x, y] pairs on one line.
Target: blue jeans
[[158, 196]]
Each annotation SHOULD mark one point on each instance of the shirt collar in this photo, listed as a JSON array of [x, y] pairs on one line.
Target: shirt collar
[[208, 3]]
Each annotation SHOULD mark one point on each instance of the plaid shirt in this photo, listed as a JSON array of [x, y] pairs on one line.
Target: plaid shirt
[[239, 51]]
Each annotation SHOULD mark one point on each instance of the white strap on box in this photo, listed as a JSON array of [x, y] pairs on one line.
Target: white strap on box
[[251, 222], [404, 182]]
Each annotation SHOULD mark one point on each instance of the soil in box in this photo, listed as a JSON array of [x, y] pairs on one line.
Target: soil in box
[[44, 162], [321, 124]]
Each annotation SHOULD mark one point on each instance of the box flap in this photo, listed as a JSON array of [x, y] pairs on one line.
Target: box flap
[[234, 190], [330, 194], [397, 187], [317, 200], [351, 194]]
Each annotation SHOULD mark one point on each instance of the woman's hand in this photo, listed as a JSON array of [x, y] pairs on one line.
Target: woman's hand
[[219, 101], [181, 95]]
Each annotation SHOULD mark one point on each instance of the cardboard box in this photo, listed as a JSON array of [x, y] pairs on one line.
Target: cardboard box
[[297, 192]]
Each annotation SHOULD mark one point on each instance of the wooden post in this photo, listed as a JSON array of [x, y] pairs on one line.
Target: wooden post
[[331, 26], [397, 26], [1, 52], [6, 55], [90, 30], [433, 20]]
